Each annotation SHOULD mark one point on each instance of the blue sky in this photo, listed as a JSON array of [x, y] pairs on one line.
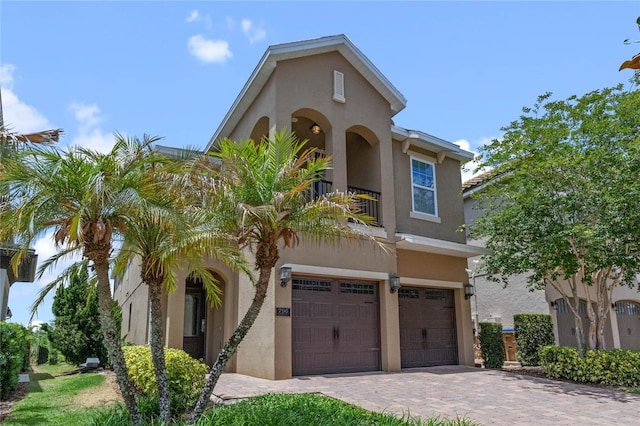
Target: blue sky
[[173, 69]]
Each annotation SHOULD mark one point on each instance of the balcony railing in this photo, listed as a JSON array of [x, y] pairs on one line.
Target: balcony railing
[[368, 207]]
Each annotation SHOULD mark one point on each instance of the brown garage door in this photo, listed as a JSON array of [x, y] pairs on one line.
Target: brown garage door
[[427, 327], [335, 326], [628, 314]]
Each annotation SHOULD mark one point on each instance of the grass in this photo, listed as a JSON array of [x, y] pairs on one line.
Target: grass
[[309, 409], [286, 410], [51, 398]]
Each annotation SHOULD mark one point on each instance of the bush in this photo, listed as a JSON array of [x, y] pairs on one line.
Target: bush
[[491, 344], [186, 375], [616, 367], [14, 348], [53, 357], [532, 332]]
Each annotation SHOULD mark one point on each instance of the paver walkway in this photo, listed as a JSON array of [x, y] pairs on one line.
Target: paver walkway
[[486, 396]]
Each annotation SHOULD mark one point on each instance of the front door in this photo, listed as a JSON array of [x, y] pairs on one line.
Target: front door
[[194, 321]]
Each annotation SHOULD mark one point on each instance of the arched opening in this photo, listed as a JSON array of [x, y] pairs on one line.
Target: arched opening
[[260, 129], [566, 324], [363, 168], [203, 323]]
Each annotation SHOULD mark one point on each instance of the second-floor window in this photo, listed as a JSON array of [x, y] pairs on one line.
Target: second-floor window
[[423, 187]]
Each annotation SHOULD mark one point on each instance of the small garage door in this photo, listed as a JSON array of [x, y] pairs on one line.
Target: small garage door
[[335, 326], [427, 327], [628, 315]]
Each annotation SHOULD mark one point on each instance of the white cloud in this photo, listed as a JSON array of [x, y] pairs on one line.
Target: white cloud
[[468, 170], [21, 117], [89, 135], [6, 75], [88, 116], [253, 33], [209, 50], [193, 16]]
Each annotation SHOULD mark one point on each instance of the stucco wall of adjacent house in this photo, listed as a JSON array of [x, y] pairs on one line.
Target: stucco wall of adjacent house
[[449, 198], [133, 298], [496, 303]]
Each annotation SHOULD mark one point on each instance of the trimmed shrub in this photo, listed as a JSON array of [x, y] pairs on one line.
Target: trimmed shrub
[[615, 367], [14, 344], [186, 375], [491, 345], [532, 332]]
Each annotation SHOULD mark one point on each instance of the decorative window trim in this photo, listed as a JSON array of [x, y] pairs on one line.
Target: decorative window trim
[[415, 213]]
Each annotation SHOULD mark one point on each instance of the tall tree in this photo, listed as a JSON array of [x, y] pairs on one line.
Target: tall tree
[[563, 202], [164, 236], [84, 197], [261, 195]]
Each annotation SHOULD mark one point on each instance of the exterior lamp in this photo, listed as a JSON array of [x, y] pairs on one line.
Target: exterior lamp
[[315, 128], [394, 282], [285, 275], [469, 290], [9, 313]]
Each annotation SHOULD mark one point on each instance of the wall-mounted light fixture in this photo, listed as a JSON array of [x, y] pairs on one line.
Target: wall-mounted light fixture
[[315, 128], [614, 305], [394, 282], [285, 275], [469, 290], [552, 304]]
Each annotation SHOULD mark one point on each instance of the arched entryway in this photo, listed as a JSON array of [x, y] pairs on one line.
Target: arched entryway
[[203, 322]]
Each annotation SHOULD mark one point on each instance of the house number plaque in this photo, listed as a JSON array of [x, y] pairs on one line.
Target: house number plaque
[[283, 312]]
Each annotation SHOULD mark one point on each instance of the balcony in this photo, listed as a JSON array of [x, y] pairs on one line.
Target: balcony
[[368, 207]]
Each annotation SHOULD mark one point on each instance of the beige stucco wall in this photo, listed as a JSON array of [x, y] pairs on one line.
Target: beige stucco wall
[[449, 197], [431, 266], [133, 298]]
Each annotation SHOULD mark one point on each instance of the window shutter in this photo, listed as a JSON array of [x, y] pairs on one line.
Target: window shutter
[[338, 86]]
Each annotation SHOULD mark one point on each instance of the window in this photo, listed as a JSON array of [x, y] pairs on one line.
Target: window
[[423, 186]]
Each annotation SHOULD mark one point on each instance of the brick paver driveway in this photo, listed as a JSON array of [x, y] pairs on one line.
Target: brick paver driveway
[[486, 396]]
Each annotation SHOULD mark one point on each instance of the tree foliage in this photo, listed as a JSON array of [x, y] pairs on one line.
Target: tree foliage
[[563, 201], [76, 327]]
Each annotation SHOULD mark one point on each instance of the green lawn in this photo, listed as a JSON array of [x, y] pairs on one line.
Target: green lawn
[[51, 397]]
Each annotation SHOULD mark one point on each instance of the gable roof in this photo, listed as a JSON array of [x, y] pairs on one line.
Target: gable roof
[[298, 49]]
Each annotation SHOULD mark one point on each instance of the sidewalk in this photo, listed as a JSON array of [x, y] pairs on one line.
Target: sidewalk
[[486, 396]]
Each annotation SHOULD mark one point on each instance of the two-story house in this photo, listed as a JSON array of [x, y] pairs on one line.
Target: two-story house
[[347, 307]]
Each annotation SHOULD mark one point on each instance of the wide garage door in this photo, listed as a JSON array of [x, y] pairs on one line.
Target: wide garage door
[[335, 326], [427, 327], [628, 314]]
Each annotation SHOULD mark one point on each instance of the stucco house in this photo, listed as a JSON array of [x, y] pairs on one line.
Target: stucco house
[[495, 303], [346, 307]]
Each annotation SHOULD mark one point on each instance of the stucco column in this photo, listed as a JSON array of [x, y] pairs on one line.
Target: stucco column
[[615, 331], [174, 325], [464, 328], [389, 329], [337, 142]]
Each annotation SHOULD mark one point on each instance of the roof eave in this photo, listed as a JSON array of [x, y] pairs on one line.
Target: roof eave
[[431, 143]]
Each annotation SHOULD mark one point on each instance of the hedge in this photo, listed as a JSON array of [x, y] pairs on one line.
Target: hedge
[[14, 349], [615, 367], [186, 375], [491, 344], [532, 331]]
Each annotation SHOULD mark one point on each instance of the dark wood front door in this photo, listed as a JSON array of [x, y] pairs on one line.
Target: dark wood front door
[[335, 326], [427, 327], [194, 321]]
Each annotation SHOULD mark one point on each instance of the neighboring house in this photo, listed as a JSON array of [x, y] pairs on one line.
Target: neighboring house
[[340, 312], [622, 329], [26, 273], [492, 301]]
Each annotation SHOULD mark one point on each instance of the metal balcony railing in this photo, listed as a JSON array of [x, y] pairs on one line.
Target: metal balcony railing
[[368, 207]]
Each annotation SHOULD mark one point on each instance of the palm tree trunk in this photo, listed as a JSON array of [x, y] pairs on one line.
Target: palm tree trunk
[[112, 340], [157, 353], [231, 346]]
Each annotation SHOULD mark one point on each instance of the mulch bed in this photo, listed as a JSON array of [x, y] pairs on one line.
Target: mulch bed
[[21, 390]]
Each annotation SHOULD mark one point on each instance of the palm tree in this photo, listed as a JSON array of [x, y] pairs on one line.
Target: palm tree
[[261, 195], [161, 237], [84, 197]]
